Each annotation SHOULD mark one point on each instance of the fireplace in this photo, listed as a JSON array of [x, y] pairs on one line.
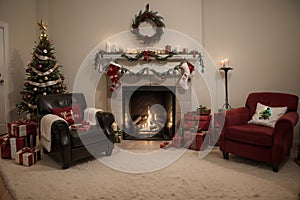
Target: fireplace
[[148, 112]]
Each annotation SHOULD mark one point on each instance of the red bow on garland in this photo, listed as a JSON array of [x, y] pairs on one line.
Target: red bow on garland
[[147, 56]]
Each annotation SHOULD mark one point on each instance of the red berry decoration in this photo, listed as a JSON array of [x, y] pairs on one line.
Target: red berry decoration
[[62, 78], [40, 66], [26, 84], [28, 96], [57, 91]]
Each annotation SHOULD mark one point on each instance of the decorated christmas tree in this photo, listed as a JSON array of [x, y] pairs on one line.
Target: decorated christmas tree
[[43, 75]]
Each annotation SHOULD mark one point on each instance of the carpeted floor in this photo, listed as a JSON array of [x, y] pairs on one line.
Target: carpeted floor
[[189, 177]]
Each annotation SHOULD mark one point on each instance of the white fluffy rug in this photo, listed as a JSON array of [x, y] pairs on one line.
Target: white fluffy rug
[[187, 178]]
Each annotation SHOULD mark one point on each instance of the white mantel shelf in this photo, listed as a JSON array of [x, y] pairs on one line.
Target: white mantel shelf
[[174, 58]]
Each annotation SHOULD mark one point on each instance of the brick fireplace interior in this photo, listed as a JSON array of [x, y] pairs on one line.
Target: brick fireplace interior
[[148, 112]]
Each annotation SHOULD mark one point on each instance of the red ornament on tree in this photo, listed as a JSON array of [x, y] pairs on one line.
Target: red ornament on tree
[[40, 66], [57, 91], [26, 84], [28, 96]]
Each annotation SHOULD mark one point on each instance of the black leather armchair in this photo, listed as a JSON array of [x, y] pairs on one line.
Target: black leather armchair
[[68, 146]]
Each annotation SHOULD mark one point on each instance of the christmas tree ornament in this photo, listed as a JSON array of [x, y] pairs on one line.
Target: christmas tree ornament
[[35, 89], [44, 93], [57, 91], [46, 78], [40, 66], [26, 84], [45, 51], [28, 96]]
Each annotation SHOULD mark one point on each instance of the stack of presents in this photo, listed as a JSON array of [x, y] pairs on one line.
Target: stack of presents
[[198, 131], [19, 144]]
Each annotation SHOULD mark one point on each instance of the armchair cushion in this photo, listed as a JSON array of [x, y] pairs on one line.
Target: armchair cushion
[[266, 115], [251, 134], [72, 114]]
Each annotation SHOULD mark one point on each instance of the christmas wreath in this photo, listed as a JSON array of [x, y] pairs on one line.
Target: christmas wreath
[[149, 17]]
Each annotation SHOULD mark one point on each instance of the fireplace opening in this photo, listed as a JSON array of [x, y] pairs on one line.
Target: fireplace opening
[[148, 112]]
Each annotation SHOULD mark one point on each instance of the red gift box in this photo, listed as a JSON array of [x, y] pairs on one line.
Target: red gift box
[[28, 156], [24, 129], [10, 145], [177, 141], [195, 141], [190, 124], [204, 122], [10, 126], [216, 123], [81, 127], [213, 134], [189, 116]]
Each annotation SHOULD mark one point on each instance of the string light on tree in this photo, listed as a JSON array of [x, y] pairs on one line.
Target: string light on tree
[[43, 75]]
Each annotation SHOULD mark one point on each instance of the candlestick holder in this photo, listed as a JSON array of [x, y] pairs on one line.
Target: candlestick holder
[[226, 105]]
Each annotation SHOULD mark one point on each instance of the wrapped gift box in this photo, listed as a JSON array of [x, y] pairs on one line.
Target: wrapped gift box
[[10, 145], [10, 126], [83, 127], [177, 141], [28, 156], [26, 129], [213, 134], [204, 122], [195, 141], [203, 110], [190, 124]]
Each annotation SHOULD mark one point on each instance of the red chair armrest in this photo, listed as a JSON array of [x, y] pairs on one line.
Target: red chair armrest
[[284, 127], [290, 117]]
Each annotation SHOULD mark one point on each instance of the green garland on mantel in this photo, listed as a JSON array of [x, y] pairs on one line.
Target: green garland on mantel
[[147, 56]]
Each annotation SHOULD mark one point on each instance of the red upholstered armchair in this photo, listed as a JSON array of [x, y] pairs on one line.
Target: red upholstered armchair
[[259, 142]]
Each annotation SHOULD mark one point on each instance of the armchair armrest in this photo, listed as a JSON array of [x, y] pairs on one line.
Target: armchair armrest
[[284, 125], [234, 116], [105, 120]]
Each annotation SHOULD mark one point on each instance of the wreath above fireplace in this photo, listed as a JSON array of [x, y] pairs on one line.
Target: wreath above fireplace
[[149, 17], [116, 61]]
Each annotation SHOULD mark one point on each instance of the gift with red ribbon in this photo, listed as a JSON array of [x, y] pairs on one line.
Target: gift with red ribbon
[[177, 141], [24, 128], [195, 141], [28, 156], [10, 145]]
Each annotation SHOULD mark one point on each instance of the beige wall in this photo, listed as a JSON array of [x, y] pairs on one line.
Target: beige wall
[[260, 37], [21, 19]]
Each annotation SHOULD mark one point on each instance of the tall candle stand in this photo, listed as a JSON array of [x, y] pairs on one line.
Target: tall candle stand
[[226, 69]]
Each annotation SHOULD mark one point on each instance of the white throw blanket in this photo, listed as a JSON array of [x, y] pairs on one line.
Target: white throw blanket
[[46, 123], [89, 115]]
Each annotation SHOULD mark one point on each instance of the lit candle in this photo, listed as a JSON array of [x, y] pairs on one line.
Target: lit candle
[[226, 62], [108, 47], [222, 63]]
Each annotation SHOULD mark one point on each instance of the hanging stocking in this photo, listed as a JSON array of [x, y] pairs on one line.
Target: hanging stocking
[[187, 70], [112, 74]]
